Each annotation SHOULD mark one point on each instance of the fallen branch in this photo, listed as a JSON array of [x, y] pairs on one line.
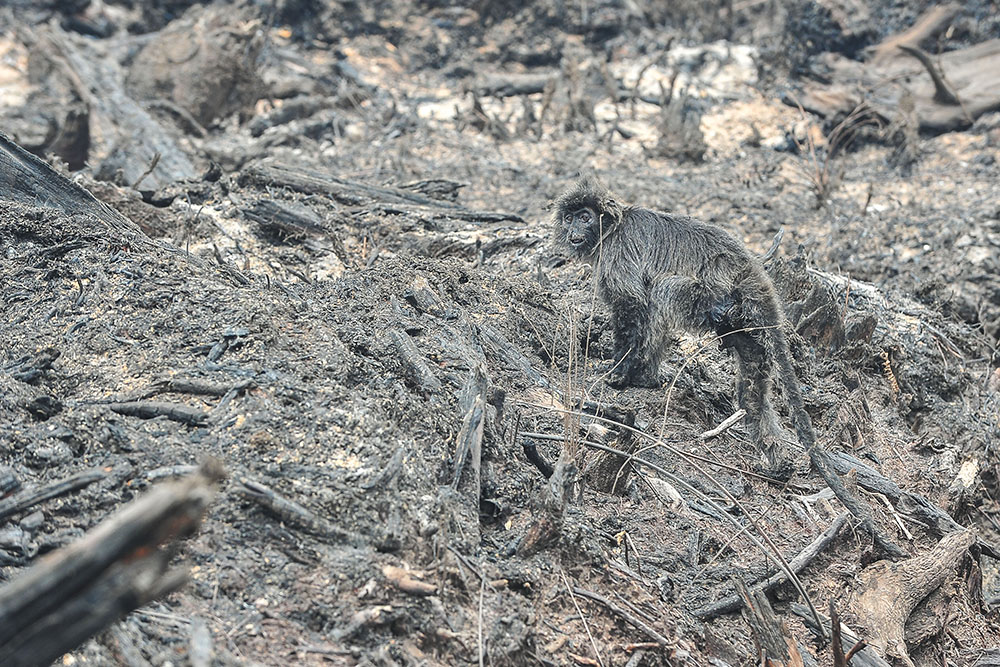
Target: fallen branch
[[732, 602], [192, 386], [630, 618], [77, 591], [31, 497], [296, 514], [887, 593], [177, 412], [353, 193]]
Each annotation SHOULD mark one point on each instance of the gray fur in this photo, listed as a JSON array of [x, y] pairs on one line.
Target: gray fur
[[660, 273]]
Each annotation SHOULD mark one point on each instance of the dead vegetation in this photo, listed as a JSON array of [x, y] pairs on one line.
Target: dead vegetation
[[312, 244]]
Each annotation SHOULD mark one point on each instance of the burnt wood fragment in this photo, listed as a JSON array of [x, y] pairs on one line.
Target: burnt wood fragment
[[118, 566]]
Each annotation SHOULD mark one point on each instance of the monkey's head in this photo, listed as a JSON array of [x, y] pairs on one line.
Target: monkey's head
[[584, 215]]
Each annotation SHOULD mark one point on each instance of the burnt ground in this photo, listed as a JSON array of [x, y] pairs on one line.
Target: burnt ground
[[343, 342]]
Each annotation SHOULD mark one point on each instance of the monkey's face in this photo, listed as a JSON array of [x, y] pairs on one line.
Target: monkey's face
[[583, 230]]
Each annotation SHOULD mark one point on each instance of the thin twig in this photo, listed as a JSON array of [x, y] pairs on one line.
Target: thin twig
[[627, 616], [727, 422], [482, 594], [583, 618], [774, 553], [149, 170]]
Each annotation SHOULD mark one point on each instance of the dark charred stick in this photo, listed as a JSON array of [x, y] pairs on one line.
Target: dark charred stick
[[704, 459], [933, 516], [414, 363], [430, 215], [535, 458], [775, 244], [192, 386], [26, 179], [863, 657], [839, 659], [177, 412], [31, 497], [513, 358], [627, 616], [469, 441], [770, 636], [149, 170], [512, 85], [732, 602], [353, 193], [294, 221], [820, 459], [943, 93], [33, 367], [186, 118], [296, 514], [116, 567]]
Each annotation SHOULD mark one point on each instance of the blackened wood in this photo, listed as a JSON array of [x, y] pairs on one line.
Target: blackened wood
[[796, 565], [31, 497], [177, 412], [768, 632], [116, 119], [296, 514], [353, 193], [864, 657], [119, 565], [28, 180], [414, 363], [469, 441]]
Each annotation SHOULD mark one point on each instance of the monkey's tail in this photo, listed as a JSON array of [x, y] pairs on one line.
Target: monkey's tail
[[820, 458]]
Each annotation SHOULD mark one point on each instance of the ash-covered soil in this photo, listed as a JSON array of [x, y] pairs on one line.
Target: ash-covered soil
[[351, 287]]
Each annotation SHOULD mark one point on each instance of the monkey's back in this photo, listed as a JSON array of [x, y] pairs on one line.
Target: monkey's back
[[659, 243], [649, 246]]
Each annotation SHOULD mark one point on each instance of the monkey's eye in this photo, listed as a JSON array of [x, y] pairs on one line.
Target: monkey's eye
[[584, 216]]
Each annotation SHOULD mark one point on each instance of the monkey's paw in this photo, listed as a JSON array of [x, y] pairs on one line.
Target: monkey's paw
[[778, 465]]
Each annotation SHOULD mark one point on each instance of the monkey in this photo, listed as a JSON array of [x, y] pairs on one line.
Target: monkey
[[661, 273]]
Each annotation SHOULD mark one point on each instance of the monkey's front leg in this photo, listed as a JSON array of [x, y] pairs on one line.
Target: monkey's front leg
[[635, 365]]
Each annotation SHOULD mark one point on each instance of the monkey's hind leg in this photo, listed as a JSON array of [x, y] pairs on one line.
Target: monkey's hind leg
[[753, 391], [642, 329], [674, 303]]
